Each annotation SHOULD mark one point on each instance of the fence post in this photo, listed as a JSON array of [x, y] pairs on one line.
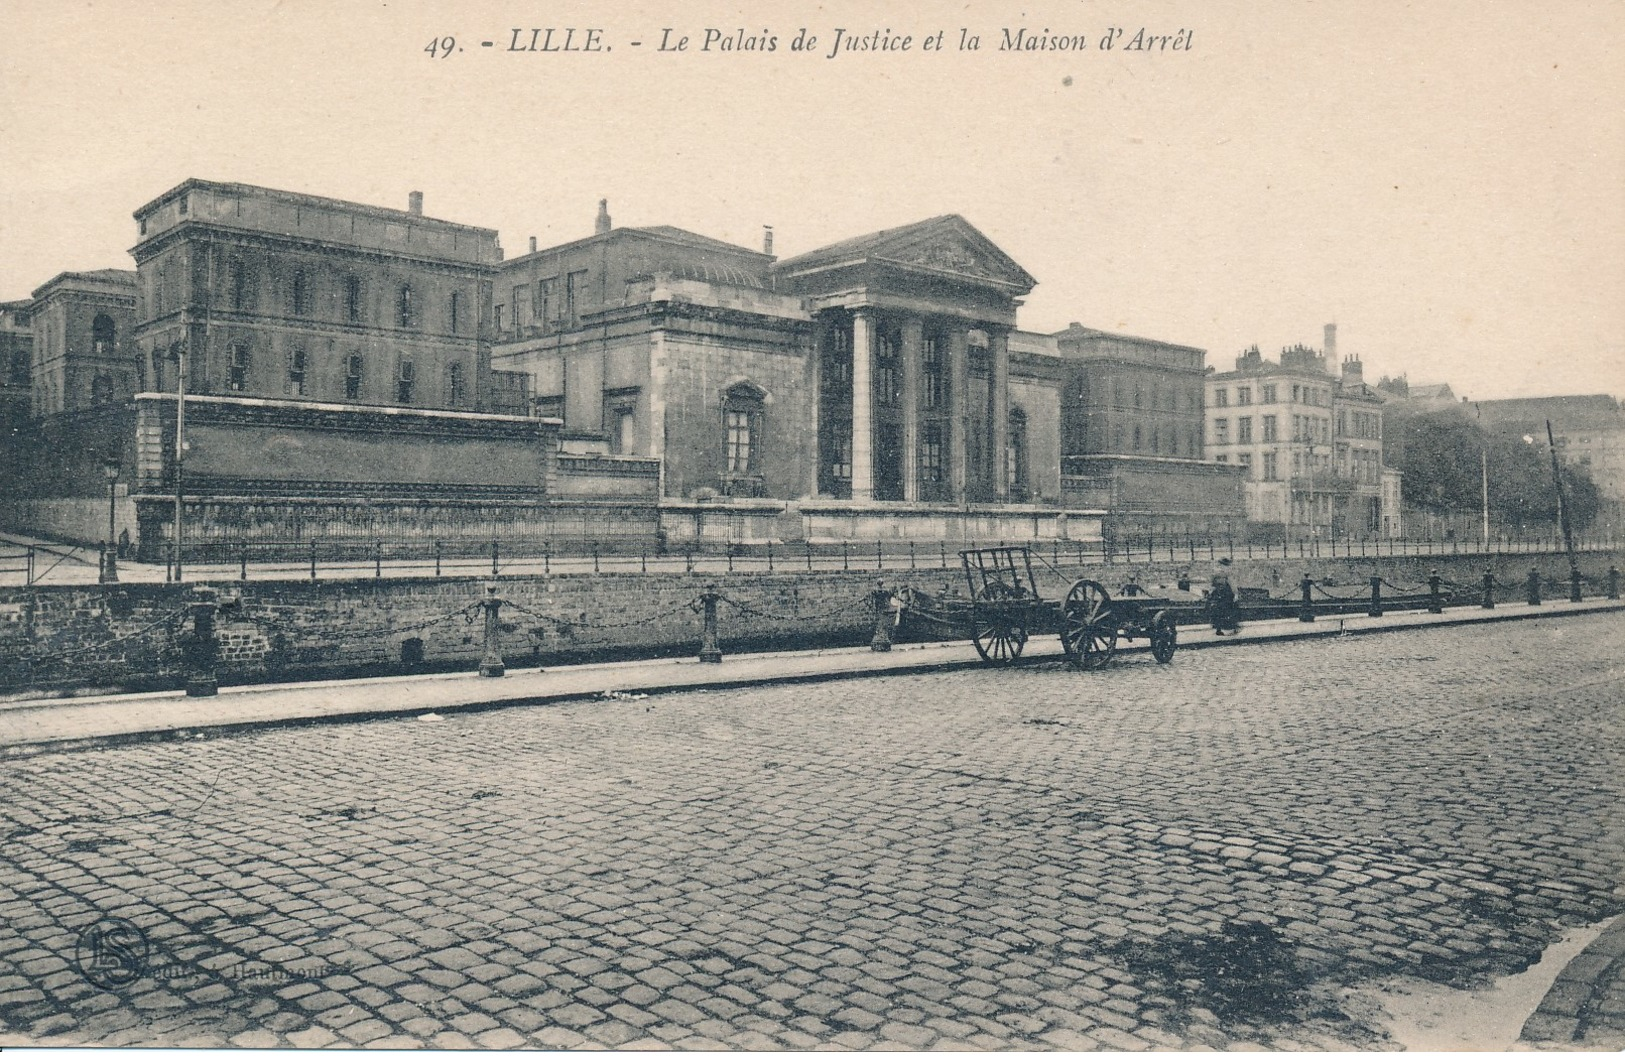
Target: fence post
[[491, 665], [242, 569], [377, 559], [730, 557], [1376, 597], [30, 576], [201, 647], [1306, 612], [1613, 583], [493, 557], [595, 555], [313, 560], [1533, 586], [1489, 589], [845, 563], [879, 558], [807, 546], [710, 650], [437, 551], [547, 558], [644, 562], [1574, 582], [942, 551], [881, 641], [770, 555], [688, 559], [1435, 602]]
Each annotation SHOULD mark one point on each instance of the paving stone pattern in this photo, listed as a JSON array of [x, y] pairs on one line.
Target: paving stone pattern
[[1146, 857]]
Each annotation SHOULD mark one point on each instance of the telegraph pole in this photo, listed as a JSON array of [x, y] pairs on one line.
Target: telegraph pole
[[180, 449], [1562, 505]]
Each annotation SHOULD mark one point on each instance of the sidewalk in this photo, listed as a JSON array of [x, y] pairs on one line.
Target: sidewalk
[[31, 726]]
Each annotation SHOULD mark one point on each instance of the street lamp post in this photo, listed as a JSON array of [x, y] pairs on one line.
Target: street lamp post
[[110, 562]]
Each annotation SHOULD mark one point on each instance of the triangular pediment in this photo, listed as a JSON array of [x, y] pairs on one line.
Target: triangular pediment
[[946, 245]]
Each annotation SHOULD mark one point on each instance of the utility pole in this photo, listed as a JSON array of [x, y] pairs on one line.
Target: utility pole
[[1562, 506]]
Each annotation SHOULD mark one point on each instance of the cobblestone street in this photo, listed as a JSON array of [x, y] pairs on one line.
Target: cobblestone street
[[1206, 853]]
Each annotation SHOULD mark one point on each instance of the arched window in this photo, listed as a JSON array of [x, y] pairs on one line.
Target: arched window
[[103, 335], [406, 309], [742, 430]]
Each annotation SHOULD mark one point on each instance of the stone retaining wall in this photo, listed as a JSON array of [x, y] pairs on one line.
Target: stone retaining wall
[[60, 640]]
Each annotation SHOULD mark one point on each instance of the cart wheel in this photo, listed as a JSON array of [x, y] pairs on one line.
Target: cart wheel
[[1163, 636], [998, 622], [1088, 627]]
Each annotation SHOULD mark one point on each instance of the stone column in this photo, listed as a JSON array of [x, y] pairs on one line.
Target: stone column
[[998, 410], [913, 348], [958, 407], [815, 404], [863, 442]]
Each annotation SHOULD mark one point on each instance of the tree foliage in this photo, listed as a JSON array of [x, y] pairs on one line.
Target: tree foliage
[[1443, 454]]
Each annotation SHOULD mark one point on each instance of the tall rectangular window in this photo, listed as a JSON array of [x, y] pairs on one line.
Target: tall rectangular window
[[1221, 430], [1221, 397], [888, 376], [352, 299], [237, 279], [1267, 394], [299, 293], [1269, 465], [1269, 428], [406, 382], [456, 387], [1244, 395], [352, 377], [547, 302], [575, 287], [455, 310], [931, 454], [296, 372], [406, 307], [521, 306], [738, 442], [237, 369], [1244, 430], [931, 393]]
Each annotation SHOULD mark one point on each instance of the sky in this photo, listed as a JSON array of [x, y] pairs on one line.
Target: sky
[[1444, 180]]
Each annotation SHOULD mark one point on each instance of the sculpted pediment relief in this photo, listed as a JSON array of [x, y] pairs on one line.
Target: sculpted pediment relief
[[955, 255]]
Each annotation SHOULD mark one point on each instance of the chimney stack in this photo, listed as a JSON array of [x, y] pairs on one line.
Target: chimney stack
[[767, 239], [1331, 342], [601, 226], [1353, 368], [414, 203], [533, 243]]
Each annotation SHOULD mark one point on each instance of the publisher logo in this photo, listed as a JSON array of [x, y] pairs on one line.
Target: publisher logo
[[112, 953]]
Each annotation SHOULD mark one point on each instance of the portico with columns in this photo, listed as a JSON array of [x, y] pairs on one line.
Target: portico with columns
[[913, 368]]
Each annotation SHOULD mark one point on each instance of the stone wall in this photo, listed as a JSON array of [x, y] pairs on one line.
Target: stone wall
[[56, 640]]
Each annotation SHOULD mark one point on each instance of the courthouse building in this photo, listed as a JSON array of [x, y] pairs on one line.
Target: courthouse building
[[356, 372]]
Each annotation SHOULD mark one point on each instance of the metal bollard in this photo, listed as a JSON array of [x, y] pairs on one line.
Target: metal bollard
[[845, 563], [1376, 597], [770, 555], [242, 569], [201, 647], [1613, 583], [1533, 586], [1306, 614], [377, 560], [437, 551], [1489, 589], [710, 651], [1574, 583], [493, 557], [491, 665], [595, 555], [313, 560], [1435, 602], [881, 641]]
